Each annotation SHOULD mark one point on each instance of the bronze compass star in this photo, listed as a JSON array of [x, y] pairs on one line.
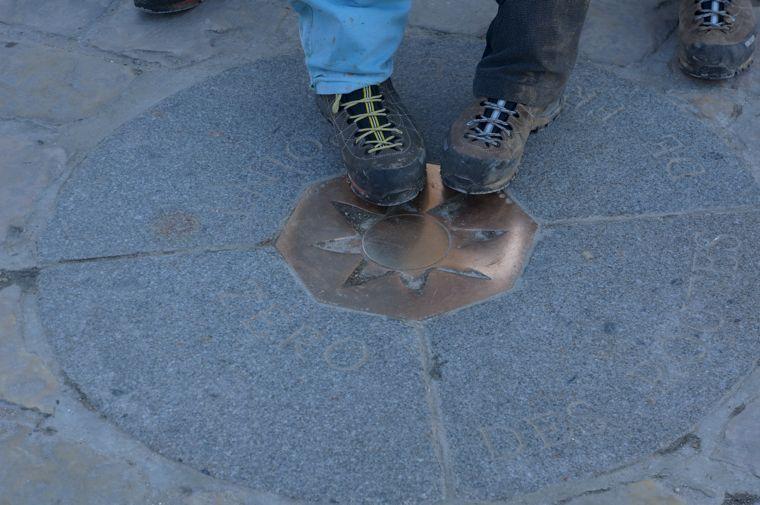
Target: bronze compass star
[[441, 251], [410, 241]]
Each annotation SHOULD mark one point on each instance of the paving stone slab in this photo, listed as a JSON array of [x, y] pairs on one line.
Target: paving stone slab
[[232, 27], [211, 166], [31, 162], [740, 444], [25, 378], [621, 336], [220, 360], [622, 150], [229, 157], [649, 492], [731, 105], [63, 17], [56, 86], [617, 149], [621, 33]]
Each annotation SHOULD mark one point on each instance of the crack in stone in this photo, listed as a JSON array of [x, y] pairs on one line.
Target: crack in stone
[[738, 410], [11, 404], [431, 365], [733, 465], [689, 439], [80, 394], [741, 209], [171, 252], [25, 279], [585, 493]]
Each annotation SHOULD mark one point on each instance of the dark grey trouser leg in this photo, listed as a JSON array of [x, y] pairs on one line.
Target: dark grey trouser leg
[[531, 48]]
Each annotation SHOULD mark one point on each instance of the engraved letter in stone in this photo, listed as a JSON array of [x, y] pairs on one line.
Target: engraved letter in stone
[[545, 426], [346, 346], [502, 443]]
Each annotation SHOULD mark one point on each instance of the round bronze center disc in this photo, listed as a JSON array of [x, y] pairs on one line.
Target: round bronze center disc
[[406, 242]]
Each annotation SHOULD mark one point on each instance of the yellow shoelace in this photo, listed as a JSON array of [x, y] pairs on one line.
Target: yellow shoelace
[[380, 141]]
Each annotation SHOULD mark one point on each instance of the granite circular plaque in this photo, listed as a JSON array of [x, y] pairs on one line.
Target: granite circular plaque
[[172, 302]]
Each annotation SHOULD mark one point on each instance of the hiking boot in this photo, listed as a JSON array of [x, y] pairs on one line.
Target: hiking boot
[[165, 6], [383, 152], [485, 144], [716, 37]]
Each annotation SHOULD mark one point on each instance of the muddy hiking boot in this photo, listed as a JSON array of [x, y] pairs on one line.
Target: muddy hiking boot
[[383, 151], [485, 144], [165, 6], [716, 37]]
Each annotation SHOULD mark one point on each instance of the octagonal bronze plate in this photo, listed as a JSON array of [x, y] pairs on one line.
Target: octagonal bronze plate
[[442, 251]]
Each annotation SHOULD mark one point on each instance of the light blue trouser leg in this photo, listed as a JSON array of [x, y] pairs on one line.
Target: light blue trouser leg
[[350, 44]]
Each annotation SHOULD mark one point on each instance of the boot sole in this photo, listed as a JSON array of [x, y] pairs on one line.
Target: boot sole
[[714, 73], [500, 185], [386, 200], [182, 6], [381, 199]]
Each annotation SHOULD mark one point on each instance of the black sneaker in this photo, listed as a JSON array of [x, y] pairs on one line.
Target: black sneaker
[[485, 144], [165, 6], [383, 151], [716, 38]]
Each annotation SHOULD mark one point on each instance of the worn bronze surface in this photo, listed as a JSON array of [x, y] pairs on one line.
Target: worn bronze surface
[[442, 251]]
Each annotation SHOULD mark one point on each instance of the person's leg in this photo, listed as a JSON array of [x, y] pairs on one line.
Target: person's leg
[[350, 43], [349, 47], [531, 48]]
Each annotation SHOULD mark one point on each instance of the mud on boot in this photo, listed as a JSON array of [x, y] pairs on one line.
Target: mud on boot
[[485, 144], [382, 149]]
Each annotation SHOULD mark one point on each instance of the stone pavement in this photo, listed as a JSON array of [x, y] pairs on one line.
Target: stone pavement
[[155, 347]]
